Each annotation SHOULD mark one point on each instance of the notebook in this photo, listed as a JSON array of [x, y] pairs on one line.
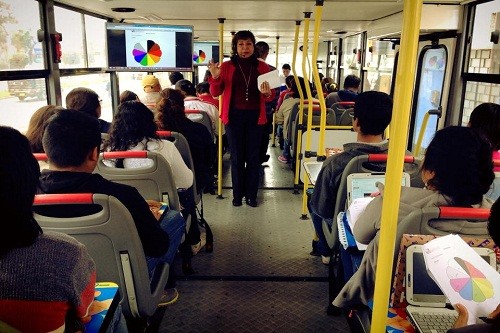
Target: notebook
[[362, 185], [312, 170], [426, 309]]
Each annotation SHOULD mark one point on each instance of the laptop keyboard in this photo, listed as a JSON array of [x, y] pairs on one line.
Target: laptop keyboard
[[434, 322]]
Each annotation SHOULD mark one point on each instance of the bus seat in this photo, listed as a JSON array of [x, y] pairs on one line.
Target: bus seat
[[202, 117], [340, 108], [112, 240], [345, 118]]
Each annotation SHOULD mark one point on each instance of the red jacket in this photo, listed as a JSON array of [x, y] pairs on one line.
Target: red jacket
[[223, 84]]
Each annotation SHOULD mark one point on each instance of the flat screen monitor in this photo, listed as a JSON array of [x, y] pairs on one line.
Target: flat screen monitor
[[204, 51], [149, 47]]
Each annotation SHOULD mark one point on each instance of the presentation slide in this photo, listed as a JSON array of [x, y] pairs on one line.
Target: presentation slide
[[150, 49], [204, 51]]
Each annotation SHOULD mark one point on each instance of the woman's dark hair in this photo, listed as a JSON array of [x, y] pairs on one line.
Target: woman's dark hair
[[132, 123], [19, 172], [186, 86], [242, 35], [128, 95], [486, 119], [37, 125], [170, 110], [462, 163]]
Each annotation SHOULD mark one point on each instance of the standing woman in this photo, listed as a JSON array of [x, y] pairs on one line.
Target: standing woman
[[243, 112]]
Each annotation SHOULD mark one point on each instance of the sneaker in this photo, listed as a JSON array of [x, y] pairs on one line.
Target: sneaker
[[203, 240], [282, 159], [325, 260], [169, 296]]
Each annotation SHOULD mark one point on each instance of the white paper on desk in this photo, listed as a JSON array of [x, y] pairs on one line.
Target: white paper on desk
[[353, 212], [463, 276], [273, 78]]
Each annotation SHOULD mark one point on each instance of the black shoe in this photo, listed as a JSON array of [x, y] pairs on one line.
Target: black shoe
[[251, 202], [237, 203], [314, 251]]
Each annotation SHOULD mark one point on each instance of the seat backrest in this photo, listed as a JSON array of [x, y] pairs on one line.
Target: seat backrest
[[182, 146], [202, 117], [345, 119], [153, 182], [111, 238]]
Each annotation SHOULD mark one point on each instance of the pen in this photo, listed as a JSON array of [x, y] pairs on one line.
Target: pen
[[487, 319]]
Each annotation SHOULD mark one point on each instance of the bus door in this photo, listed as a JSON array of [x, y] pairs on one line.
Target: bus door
[[431, 88]]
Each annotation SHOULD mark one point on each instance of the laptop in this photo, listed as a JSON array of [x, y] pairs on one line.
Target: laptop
[[362, 185], [312, 170], [426, 302]]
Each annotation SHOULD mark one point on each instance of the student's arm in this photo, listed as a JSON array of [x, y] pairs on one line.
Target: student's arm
[[83, 270], [182, 174]]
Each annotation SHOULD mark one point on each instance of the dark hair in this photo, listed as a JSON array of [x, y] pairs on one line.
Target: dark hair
[[19, 172], [242, 35], [486, 119], [302, 83], [174, 77], [83, 99], [351, 81], [207, 75], [132, 123], [462, 163], [262, 48], [289, 80], [70, 136], [186, 86], [494, 222], [203, 88], [128, 95], [170, 110], [286, 66], [37, 125], [373, 109]]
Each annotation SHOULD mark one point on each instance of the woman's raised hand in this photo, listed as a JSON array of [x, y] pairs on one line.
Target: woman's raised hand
[[214, 68], [265, 89]]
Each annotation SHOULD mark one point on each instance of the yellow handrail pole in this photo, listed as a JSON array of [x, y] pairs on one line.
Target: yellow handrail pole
[[418, 145], [317, 80], [301, 93], [274, 113], [219, 160], [412, 11], [305, 50]]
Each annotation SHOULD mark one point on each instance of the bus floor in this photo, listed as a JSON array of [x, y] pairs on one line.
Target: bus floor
[[260, 276]]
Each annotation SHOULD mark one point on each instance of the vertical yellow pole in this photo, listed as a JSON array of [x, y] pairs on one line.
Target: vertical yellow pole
[[400, 119], [305, 50], [219, 161], [317, 80], [274, 113], [301, 93]]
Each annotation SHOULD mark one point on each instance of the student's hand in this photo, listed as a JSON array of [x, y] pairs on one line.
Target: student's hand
[[463, 316], [154, 206], [214, 68], [265, 89]]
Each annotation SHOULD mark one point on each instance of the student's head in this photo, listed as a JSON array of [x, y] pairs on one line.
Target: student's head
[[486, 119], [186, 87], [494, 222], [243, 44], [262, 49], [458, 164], [174, 77], [19, 174], [170, 109], [302, 83], [286, 70], [289, 81], [128, 95], [150, 83], [203, 88], [37, 125], [132, 123], [373, 112], [85, 100], [70, 137], [352, 82]]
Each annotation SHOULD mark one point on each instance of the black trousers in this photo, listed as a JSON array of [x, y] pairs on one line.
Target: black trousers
[[244, 137]]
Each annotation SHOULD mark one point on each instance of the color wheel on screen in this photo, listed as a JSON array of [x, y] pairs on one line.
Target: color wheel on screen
[[468, 281], [200, 57], [147, 56]]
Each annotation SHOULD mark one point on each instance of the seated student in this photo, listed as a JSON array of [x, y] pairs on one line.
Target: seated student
[[128, 95], [203, 93], [485, 118], [494, 326], [47, 278], [457, 171], [372, 114], [71, 141], [87, 101], [174, 77], [151, 86], [348, 94]]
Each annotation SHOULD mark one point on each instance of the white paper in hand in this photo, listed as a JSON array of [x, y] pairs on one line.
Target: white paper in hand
[[355, 209], [273, 78], [463, 276]]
